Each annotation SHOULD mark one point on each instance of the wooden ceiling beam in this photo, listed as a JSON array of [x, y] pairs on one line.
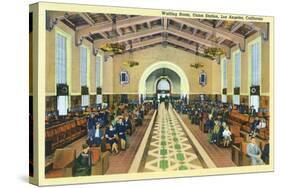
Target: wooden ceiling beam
[[185, 45], [219, 23], [145, 43], [133, 36], [108, 17], [236, 26], [87, 18], [262, 28], [165, 23], [156, 30], [149, 25], [219, 32], [121, 23]]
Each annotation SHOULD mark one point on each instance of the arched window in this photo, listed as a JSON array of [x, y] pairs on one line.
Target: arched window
[[163, 84]]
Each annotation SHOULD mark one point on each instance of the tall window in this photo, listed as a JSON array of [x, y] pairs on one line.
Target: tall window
[[83, 74], [255, 50], [237, 75], [224, 79], [61, 71]]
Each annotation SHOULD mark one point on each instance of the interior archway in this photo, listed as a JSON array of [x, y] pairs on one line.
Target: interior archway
[[184, 84]]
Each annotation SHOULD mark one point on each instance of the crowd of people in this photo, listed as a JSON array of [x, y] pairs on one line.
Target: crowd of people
[[114, 126], [109, 129], [214, 116]]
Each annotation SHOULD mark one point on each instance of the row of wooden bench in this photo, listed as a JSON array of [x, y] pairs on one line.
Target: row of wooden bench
[[65, 133], [245, 122]]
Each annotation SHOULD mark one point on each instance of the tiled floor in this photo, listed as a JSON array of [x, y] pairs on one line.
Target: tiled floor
[[220, 156], [169, 148]]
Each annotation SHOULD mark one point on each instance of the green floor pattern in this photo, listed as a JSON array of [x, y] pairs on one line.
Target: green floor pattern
[[169, 148]]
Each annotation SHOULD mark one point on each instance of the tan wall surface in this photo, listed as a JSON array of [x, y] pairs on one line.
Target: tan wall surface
[[149, 56], [75, 62], [146, 57]]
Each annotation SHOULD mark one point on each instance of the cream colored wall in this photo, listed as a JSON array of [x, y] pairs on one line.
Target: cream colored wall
[[146, 57], [107, 86], [152, 55], [244, 89], [75, 88], [215, 79]]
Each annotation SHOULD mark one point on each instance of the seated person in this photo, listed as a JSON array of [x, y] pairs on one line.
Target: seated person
[[83, 163], [98, 135], [265, 152], [254, 127], [254, 152], [111, 138], [121, 132], [262, 124], [128, 124], [226, 136], [100, 118]]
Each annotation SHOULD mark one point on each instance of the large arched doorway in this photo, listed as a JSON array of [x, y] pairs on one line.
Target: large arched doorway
[[148, 82], [163, 89]]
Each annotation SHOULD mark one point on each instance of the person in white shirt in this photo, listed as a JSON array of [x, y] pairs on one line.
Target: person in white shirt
[[262, 124], [227, 136]]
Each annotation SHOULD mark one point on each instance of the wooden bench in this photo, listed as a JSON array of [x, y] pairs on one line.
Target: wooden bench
[[63, 163]]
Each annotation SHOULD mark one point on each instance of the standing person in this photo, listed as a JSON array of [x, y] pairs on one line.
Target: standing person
[[91, 126], [210, 125], [226, 136], [111, 139], [121, 131], [254, 152], [98, 135], [215, 133], [128, 124], [83, 163]]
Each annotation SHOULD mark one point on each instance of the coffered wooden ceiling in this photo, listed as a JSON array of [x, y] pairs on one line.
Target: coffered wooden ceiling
[[146, 31]]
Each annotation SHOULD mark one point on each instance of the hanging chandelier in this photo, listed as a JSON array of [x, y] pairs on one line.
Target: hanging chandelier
[[114, 48], [131, 62], [213, 52], [197, 64]]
